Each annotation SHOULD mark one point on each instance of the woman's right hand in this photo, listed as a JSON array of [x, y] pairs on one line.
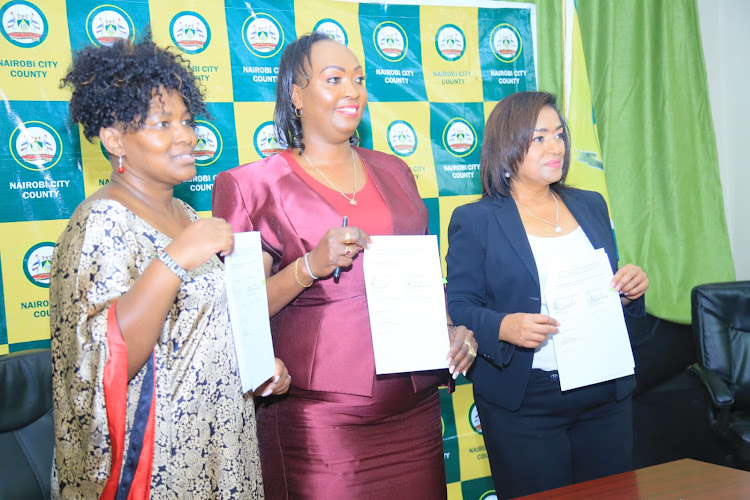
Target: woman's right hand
[[199, 241], [337, 248], [527, 330]]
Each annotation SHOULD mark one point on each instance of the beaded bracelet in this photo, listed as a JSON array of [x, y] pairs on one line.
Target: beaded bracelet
[[296, 276], [307, 266], [171, 264]]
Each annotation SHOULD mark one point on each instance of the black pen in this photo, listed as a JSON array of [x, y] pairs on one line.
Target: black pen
[[337, 271]]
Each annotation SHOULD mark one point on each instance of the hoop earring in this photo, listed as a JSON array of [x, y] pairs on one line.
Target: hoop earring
[[298, 112], [120, 168]]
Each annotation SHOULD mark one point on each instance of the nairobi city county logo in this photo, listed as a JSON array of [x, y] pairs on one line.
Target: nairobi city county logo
[[24, 24], [506, 43], [390, 41], [35, 146], [474, 419], [266, 141], [459, 137], [402, 139], [450, 42], [262, 35], [190, 32], [332, 29], [107, 24], [210, 144], [37, 263]]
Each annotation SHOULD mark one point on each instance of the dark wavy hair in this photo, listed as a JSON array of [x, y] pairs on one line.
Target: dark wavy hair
[[294, 68], [115, 84], [507, 138]]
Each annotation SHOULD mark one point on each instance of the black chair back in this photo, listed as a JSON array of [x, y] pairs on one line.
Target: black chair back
[[721, 322], [26, 426]]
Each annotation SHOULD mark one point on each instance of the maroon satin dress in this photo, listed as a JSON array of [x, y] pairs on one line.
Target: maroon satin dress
[[341, 432]]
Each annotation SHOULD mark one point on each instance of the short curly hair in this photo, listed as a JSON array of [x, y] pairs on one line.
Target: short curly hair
[[115, 84]]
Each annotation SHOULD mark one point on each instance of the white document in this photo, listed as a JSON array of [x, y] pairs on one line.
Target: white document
[[592, 344], [248, 310], [405, 298]]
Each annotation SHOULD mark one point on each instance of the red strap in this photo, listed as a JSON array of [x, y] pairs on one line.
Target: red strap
[[116, 400]]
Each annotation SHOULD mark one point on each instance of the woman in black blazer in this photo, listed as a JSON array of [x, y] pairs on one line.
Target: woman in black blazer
[[500, 249]]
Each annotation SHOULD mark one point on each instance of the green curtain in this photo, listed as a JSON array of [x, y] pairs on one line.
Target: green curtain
[[650, 93]]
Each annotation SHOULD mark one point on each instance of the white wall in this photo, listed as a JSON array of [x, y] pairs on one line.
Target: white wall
[[726, 45]]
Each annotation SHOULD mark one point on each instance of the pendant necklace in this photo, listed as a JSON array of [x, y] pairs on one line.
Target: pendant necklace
[[352, 201], [556, 224]]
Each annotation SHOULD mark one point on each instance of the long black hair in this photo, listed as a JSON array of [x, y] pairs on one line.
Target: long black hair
[[294, 69]]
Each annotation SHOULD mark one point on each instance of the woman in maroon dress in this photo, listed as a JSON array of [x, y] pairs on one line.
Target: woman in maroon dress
[[342, 431]]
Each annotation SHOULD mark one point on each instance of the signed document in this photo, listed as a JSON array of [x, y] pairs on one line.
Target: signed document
[[405, 298], [592, 344], [248, 310]]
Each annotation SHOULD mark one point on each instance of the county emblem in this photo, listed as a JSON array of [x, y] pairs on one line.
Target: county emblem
[[402, 139], [35, 146], [23, 24], [210, 144], [459, 137], [450, 42], [474, 419], [266, 141], [107, 24], [190, 32], [390, 41], [37, 263], [262, 35], [332, 29], [506, 43]]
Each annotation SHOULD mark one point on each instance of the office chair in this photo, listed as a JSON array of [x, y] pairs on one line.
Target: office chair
[[721, 326], [27, 436]]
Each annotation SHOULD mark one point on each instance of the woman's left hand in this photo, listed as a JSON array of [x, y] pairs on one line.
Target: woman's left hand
[[630, 281], [463, 350], [278, 384]]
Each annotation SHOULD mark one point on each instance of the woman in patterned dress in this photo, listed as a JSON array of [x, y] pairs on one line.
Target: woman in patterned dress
[[148, 401]]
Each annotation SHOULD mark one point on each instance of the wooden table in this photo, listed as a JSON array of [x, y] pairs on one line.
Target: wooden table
[[684, 479]]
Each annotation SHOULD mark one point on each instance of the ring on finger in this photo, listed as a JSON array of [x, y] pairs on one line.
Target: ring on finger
[[471, 349], [348, 251], [347, 238]]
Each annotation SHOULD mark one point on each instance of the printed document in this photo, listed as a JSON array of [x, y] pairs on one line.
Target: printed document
[[592, 344], [248, 310], [405, 298]]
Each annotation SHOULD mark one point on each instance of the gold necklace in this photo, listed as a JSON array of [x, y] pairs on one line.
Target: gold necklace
[[558, 229], [352, 201]]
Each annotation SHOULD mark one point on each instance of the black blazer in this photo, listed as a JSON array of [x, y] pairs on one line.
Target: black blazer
[[492, 273]]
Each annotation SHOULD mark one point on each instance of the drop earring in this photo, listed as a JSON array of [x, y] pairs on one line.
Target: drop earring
[[120, 168]]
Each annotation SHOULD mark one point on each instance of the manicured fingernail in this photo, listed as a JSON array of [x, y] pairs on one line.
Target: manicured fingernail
[[276, 378], [450, 368], [449, 360], [464, 373], [267, 393], [611, 284], [455, 376]]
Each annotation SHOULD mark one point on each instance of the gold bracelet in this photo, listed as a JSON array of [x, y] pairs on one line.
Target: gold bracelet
[[296, 276]]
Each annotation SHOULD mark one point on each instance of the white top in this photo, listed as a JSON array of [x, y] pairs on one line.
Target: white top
[[548, 251]]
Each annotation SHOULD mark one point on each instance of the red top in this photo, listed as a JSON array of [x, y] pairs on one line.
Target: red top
[[370, 214]]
